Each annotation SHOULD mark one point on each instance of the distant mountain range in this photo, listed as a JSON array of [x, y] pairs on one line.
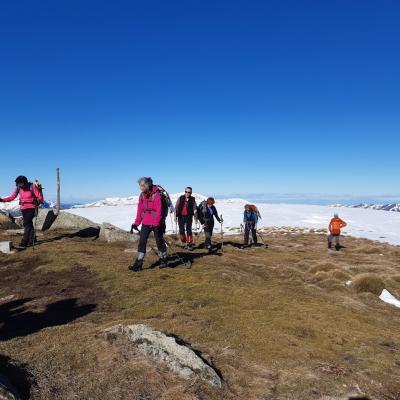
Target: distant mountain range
[[381, 207]]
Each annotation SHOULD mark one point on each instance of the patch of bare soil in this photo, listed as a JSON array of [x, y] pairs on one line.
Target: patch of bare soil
[[37, 298]]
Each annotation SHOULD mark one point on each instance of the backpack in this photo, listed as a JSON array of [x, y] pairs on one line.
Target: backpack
[[39, 187], [253, 208], [166, 202]]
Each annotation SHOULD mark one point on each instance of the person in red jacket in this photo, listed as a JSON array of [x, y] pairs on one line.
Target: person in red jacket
[[335, 227], [30, 197], [150, 216]]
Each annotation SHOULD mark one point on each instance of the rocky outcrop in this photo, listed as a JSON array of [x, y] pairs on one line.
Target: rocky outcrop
[[177, 355], [111, 233], [47, 220], [7, 222]]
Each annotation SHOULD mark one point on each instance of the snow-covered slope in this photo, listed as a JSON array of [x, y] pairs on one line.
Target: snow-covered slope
[[364, 223], [129, 201], [381, 207], [13, 207]]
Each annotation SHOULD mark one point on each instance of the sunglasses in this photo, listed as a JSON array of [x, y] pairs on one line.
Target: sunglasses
[[187, 191]]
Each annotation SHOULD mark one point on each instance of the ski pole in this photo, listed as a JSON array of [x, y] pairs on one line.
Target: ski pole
[[261, 237], [34, 228], [222, 234]]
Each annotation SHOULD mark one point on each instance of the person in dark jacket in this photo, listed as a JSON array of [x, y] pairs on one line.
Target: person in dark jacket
[[185, 210], [206, 212], [250, 220]]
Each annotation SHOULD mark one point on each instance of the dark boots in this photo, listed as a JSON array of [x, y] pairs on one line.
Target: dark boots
[[163, 260], [137, 266]]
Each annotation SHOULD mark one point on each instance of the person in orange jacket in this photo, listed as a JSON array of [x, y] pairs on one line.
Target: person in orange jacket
[[335, 227]]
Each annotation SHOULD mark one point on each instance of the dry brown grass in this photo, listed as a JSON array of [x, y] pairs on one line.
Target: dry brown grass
[[279, 323], [369, 283]]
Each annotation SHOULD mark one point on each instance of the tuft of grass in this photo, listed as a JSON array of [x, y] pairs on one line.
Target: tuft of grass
[[322, 267], [368, 283], [340, 275]]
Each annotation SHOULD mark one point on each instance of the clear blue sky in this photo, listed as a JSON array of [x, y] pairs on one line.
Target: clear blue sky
[[227, 96]]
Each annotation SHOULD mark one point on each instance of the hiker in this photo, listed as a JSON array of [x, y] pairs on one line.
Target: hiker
[[250, 220], [185, 210], [335, 226], [30, 197], [206, 212], [150, 216]]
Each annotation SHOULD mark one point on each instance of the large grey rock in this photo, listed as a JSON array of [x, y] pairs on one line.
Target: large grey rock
[[64, 221], [7, 222], [111, 233], [179, 357]]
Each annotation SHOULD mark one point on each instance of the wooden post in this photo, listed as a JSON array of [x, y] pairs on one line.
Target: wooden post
[[58, 204]]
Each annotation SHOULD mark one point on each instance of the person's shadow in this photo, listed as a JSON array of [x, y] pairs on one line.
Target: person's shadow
[[16, 320], [16, 376]]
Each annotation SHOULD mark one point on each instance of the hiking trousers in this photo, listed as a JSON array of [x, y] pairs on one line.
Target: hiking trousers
[[208, 232], [250, 227], [185, 225], [29, 231], [331, 236], [158, 235]]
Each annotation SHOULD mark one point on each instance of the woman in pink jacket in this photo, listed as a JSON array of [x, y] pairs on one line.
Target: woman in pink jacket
[[149, 215], [30, 197]]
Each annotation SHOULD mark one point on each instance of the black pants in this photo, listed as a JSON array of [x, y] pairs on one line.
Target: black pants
[[250, 227], [185, 225], [158, 235], [208, 232], [29, 230]]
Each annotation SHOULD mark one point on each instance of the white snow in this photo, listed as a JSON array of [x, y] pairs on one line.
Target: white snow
[[387, 297], [382, 226]]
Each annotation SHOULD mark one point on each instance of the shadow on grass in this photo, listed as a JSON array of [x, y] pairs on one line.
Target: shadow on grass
[[16, 377], [17, 320], [86, 233], [176, 259]]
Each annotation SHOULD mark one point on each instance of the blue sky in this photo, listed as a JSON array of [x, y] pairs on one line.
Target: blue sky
[[227, 96]]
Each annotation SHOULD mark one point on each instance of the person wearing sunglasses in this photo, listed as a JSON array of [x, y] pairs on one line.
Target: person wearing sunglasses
[[185, 210]]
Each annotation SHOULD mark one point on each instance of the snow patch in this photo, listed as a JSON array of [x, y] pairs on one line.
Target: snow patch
[[387, 297]]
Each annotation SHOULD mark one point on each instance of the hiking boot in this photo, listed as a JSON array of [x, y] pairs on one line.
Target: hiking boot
[[163, 262], [337, 247], [329, 245], [23, 243], [137, 266]]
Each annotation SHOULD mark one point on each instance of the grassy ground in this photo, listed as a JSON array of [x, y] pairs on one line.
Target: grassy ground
[[278, 323]]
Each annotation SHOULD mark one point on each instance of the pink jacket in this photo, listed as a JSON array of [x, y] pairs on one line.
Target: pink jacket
[[26, 199], [149, 211]]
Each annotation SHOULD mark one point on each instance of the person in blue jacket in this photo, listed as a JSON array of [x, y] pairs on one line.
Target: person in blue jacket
[[250, 220]]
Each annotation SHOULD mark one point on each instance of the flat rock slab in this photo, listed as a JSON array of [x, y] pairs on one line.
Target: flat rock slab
[[111, 233], [48, 220], [5, 247], [178, 356]]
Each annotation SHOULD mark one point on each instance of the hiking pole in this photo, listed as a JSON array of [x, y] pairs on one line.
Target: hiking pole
[[34, 228], [261, 237], [222, 234]]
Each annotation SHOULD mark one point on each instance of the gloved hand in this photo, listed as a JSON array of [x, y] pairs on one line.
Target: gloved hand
[[134, 228], [1, 200]]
